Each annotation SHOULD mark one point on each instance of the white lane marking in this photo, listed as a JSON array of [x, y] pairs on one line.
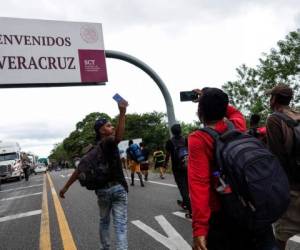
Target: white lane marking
[[182, 215], [20, 196], [64, 176], [12, 184], [295, 238], [21, 215], [156, 182], [174, 241], [36, 179], [164, 184], [14, 189]]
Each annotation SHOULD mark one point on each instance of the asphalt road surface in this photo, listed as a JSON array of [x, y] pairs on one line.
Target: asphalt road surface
[[33, 217]]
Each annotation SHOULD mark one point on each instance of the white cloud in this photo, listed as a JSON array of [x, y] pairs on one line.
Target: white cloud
[[35, 131]]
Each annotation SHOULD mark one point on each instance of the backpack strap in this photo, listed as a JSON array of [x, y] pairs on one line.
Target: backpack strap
[[175, 141], [218, 141], [294, 124], [216, 137], [230, 125], [288, 120], [213, 133]]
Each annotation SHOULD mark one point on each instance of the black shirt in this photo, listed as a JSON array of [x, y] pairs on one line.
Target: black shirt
[[106, 151], [171, 149], [146, 153], [111, 152]]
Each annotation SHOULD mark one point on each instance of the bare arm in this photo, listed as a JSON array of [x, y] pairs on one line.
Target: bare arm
[[121, 122], [71, 180]]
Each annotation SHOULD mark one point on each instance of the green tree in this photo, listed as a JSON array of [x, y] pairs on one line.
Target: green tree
[[187, 128], [83, 135], [280, 65], [151, 127], [58, 153]]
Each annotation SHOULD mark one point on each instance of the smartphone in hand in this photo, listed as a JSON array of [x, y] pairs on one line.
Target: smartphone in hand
[[118, 98], [188, 96]]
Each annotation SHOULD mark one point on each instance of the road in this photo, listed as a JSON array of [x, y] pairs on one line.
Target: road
[[33, 217]]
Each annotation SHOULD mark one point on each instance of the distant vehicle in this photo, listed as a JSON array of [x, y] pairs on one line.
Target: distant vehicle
[[43, 160], [33, 161], [40, 168], [10, 163], [58, 168]]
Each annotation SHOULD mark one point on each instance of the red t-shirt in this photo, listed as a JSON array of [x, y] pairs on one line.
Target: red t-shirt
[[204, 199]]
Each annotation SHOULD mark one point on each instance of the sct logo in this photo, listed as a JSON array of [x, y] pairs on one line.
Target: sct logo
[[89, 62]]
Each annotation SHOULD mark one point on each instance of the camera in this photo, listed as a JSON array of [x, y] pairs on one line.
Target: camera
[[188, 96]]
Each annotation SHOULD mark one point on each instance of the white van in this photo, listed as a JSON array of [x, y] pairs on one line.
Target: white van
[[10, 161]]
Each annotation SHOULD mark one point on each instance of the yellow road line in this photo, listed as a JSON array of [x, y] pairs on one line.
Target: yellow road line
[[45, 240], [66, 235]]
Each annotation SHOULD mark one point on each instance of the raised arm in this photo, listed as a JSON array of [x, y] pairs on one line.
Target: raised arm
[[121, 121]]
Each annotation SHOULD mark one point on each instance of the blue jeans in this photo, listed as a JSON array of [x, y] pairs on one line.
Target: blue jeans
[[113, 199]]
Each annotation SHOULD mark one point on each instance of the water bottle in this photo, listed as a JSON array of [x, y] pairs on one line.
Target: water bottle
[[220, 185]]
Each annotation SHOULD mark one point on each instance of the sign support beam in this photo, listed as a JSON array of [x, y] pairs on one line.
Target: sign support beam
[[155, 77]]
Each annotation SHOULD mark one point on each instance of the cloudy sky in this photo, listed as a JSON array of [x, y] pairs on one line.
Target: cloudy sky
[[189, 43]]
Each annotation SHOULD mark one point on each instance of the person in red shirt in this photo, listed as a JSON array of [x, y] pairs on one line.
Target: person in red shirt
[[211, 228]]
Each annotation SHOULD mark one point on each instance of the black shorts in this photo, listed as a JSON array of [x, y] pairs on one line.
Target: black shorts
[[144, 165], [159, 165]]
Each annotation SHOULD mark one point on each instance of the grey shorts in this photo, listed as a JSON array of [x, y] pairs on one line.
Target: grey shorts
[[289, 224]]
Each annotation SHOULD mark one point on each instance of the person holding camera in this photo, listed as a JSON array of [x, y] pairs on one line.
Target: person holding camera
[[213, 229]]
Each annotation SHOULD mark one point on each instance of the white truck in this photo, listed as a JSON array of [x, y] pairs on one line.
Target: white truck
[[10, 161]]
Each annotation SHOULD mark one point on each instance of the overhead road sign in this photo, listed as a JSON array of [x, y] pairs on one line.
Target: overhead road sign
[[42, 53]]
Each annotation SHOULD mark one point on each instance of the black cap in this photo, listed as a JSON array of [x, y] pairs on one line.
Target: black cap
[[99, 123]]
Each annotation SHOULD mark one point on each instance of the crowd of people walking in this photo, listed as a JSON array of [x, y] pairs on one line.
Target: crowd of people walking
[[239, 184]]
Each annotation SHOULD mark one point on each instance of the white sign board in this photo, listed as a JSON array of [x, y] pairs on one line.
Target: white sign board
[[50, 53]]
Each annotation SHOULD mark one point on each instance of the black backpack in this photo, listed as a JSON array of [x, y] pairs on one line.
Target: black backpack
[[259, 188], [294, 157], [180, 152], [94, 169]]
